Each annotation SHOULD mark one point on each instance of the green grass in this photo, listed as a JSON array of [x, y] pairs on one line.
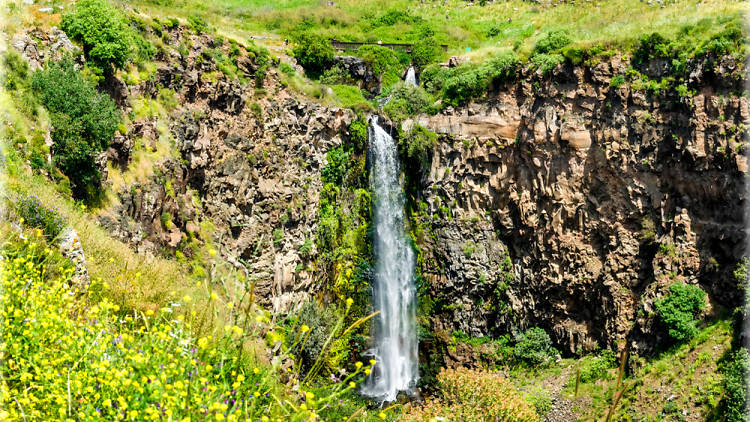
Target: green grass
[[499, 25]]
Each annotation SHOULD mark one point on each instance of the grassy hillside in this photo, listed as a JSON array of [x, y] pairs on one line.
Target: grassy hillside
[[497, 25]]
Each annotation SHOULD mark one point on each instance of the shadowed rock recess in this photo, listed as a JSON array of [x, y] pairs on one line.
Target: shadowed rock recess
[[570, 204]]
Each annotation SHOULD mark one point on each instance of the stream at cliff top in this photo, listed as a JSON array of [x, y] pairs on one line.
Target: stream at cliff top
[[394, 293]]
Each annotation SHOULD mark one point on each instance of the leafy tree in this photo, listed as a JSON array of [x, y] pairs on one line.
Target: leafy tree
[[83, 121], [104, 32], [679, 308], [433, 78], [385, 62], [534, 346], [313, 51]]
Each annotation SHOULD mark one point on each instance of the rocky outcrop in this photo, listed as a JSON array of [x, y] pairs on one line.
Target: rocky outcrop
[[244, 176], [37, 46], [360, 71], [602, 196]]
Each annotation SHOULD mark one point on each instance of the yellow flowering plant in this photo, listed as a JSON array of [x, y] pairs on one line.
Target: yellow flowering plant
[[66, 355]]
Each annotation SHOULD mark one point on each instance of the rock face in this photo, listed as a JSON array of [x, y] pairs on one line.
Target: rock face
[[243, 178], [52, 44], [572, 205], [360, 71]]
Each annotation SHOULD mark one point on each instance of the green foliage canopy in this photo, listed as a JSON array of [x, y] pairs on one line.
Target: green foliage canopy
[[84, 121], [313, 51], [679, 308], [104, 32], [534, 346]]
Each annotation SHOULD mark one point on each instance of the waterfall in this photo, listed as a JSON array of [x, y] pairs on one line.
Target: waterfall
[[411, 77], [394, 294]]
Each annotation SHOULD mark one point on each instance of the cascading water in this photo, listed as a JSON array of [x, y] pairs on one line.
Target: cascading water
[[394, 294], [411, 77]]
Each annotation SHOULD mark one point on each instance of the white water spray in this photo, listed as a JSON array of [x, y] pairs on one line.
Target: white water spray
[[394, 294], [411, 77]]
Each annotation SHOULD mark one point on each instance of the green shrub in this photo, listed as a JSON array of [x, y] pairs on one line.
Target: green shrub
[[336, 75], [678, 309], [262, 58], [305, 251], [650, 47], [433, 78], [314, 52], [84, 122], [358, 134], [541, 400], [553, 41], [395, 16], [534, 347], [320, 320], [617, 81], [418, 144], [198, 24], [257, 111], [471, 81], [547, 62], [278, 236], [338, 164], [286, 68], [384, 62], [730, 39], [734, 371], [596, 367], [573, 55], [426, 51], [406, 101], [35, 214], [102, 30]]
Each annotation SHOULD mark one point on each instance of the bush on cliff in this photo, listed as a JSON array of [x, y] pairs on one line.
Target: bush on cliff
[[313, 51], [418, 143], [426, 51], [474, 80], [406, 101], [386, 63], [679, 308], [83, 122], [102, 30], [553, 41]]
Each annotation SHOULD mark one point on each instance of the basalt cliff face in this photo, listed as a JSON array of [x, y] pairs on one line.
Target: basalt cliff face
[[567, 203], [243, 176]]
